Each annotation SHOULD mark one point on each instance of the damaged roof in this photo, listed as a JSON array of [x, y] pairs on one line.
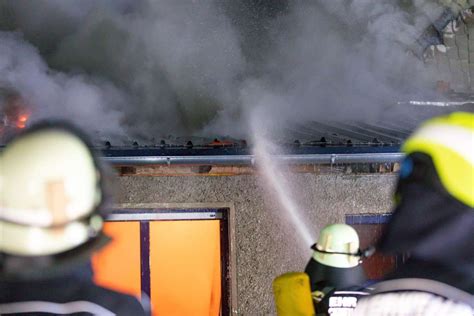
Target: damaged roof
[[384, 135]]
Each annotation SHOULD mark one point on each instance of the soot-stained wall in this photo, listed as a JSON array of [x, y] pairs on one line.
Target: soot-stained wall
[[267, 244]]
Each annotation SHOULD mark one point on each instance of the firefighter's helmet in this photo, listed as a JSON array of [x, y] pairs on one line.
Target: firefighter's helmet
[[449, 141], [50, 190], [337, 246]]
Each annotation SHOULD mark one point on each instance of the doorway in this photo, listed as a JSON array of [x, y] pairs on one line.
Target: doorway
[[178, 259]]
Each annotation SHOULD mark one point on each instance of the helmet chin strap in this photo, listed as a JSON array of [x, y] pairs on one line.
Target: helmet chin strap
[[367, 252]]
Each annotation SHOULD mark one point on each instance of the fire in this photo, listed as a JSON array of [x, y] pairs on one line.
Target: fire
[[14, 112], [22, 119]]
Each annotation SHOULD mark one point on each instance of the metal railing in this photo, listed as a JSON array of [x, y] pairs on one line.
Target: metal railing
[[329, 159]]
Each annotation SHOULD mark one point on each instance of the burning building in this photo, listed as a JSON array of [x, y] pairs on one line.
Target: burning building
[[159, 88]]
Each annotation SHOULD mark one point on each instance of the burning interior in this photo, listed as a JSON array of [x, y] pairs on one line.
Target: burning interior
[[15, 114]]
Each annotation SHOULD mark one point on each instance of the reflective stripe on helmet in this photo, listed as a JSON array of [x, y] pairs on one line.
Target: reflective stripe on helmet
[[454, 138], [449, 140], [337, 246], [36, 241]]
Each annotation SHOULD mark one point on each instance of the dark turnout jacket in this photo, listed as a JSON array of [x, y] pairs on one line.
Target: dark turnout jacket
[[436, 230], [70, 295], [335, 291]]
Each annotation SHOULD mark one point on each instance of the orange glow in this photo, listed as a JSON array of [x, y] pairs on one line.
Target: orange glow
[[22, 119], [117, 266], [221, 143], [185, 268]]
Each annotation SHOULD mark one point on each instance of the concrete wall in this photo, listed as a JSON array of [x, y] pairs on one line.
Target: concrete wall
[[266, 242]]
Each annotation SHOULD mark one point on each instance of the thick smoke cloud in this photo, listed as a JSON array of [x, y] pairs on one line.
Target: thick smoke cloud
[[147, 69], [333, 60], [176, 62], [54, 94]]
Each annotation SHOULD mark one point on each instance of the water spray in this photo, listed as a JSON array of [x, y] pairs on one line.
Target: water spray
[[263, 149]]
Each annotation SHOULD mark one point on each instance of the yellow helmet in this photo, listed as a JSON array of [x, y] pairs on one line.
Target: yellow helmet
[[337, 246], [449, 141], [50, 189]]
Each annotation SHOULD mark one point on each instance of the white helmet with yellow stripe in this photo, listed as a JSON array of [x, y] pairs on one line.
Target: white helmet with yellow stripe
[[49, 193], [449, 141], [337, 246]]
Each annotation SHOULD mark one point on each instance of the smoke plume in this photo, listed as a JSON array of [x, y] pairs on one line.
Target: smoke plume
[[146, 69], [54, 94]]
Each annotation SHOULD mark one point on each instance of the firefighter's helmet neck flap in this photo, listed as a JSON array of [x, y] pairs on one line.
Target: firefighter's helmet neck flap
[[50, 193]]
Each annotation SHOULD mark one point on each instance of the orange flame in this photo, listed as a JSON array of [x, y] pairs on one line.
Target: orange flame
[[21, 122]]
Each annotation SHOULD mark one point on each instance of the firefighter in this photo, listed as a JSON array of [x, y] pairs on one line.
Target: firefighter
[[51, 218], [335, 273], [432, 225]]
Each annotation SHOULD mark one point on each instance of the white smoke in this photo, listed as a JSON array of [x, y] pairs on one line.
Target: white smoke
[[340, 60], [274, 178], [150, 68]]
